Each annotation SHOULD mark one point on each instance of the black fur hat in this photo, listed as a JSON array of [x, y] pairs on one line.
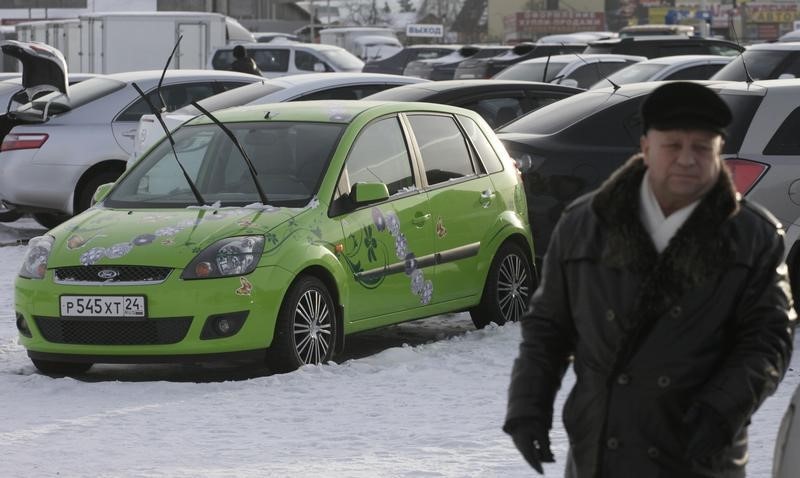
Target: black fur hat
[[685, 105]]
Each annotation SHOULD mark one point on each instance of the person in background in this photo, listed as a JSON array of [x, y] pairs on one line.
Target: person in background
[[243, 62], [668, 293]]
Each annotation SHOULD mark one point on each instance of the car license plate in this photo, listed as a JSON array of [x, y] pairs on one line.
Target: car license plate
[[102, 306]]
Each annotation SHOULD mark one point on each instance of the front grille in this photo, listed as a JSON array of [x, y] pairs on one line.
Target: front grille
[[105, 331], [93, 273]]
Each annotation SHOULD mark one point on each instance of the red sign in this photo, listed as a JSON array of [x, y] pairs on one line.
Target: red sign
[[553, 21]]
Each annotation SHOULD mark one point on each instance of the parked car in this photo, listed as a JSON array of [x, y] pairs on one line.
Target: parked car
[[281, 58], [58, 148], [763, 62], [665, 45], [394, 212], [266, 37], [666, 68], [791, 36], [655, 29], [473, 68], [577, 70], [497, 101], [310, 86], [443, 68], [577, 37], [571, 147], [786, 459], [396, 64]]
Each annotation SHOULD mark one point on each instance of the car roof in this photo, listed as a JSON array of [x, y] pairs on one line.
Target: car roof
[[571, 57], [656, 39], [324, 111], [680, 59], [791, 45], [129, 76], [448, 85], [342, 78]]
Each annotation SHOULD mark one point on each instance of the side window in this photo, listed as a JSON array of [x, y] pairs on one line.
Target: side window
[[276, 59], [488, 155], [792, 66], [222, 60], [724, 50], [496, 111], [175, 96], [443, 149], [786, 140], [227, 85], [380, 155], [699, 72], [305, 61], [688, 48], [587, 75]]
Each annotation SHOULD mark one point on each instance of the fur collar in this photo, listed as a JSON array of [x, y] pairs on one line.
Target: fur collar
[[696, 253]]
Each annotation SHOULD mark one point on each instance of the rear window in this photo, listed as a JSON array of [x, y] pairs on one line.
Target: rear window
[[557, 116], [760, 64], [235, 97], [342, 59], [532, 71], [79, 94], [743, 108], [402, 93]]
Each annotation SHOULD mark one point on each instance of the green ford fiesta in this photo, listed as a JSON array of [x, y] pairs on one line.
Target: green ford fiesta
[[354, 215]]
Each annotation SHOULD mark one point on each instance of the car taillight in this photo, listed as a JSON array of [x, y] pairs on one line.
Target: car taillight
[[746, 173], [23, 141]]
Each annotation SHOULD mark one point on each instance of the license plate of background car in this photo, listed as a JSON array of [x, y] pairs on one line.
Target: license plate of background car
[[103, 306]]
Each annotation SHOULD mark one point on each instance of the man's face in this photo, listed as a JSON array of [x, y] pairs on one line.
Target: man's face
[[683, 164]]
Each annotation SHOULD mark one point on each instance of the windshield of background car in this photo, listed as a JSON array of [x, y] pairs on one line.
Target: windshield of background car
[[289, 166], [531, 71], [342, 59], [79, 94], [235, 97], [761, 65], [557, 116], [632, 74]]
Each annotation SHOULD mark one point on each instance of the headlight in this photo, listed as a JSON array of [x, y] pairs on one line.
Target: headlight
[[34, 265], [234, 256]]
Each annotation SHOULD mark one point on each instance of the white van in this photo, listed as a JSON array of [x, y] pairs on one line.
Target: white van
[[375, 47], [348, 38], [281, 58]]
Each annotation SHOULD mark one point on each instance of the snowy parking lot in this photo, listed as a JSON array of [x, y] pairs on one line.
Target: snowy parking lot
[[425, 398]]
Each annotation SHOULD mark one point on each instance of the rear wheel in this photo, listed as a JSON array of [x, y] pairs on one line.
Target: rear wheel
[[305, 332], [49, 367], [84, 197], [49, 220], [507, 290], [10, 215]]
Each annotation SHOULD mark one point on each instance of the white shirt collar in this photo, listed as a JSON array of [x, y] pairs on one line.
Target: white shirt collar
[[660, 228]]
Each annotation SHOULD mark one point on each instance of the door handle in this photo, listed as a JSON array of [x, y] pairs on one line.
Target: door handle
[[420, 219], [486, 198], [131, 133]]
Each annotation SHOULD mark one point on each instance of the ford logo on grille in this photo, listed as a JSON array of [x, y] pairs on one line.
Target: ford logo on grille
[[107, 274]]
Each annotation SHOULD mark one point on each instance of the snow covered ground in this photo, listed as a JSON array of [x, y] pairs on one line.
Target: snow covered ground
[[431, 408]]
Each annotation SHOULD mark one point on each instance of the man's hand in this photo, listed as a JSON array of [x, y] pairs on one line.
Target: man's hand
[[534, 445], [708, 431]]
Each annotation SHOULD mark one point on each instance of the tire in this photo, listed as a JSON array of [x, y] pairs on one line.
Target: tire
[[49, 220], [48, 367], [84, 196], [508, 288], [10, 216], [305, 332]]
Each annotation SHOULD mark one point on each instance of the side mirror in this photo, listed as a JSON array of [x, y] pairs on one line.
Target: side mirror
[[569, 82], [365, 193], [786, 76], [101, 192], [319, 67]]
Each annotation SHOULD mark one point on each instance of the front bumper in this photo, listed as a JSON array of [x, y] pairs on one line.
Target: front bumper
[[175, 328]]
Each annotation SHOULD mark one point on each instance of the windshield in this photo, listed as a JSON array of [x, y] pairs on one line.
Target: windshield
[[235, 97], [342, 59], [760, 64], [534, 71], [289, 166], [632, 74]]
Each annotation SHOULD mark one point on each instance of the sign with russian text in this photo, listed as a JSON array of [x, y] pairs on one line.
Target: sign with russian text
[[771, 12], [554, 21], [424, 30]]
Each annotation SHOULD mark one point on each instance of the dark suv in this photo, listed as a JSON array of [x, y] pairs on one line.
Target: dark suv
[[488, 67], [664, 45], [444, 68], [395, 64], [765, 61]]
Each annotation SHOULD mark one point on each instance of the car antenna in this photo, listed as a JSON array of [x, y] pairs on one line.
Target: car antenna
[[546, 64], [250, 167], [599, 71], [157, 113], [749, 79]]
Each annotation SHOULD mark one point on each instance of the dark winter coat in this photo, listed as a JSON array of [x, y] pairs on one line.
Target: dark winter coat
[[245, 65], [707, 320]]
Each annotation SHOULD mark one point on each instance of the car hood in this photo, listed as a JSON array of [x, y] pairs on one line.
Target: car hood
[[164, 237], [43, 67]]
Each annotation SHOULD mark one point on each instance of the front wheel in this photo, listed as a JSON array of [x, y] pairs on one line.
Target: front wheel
[[508, 288], [49, 367], [305, 332]]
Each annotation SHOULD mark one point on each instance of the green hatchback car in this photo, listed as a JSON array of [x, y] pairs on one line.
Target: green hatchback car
[[354, 215]]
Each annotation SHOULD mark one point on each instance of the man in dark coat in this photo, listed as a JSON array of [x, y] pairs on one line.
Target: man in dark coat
[[668, 293], [243, 62]]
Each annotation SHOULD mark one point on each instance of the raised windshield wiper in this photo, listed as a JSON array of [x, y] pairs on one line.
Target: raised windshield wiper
[[157, 114], [253, 173]]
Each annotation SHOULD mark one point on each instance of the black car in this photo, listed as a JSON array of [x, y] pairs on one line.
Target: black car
[[664, 45], [497, 101], [444, 68], [568, 149], [395, 64], [488, 67], [763, 62]]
